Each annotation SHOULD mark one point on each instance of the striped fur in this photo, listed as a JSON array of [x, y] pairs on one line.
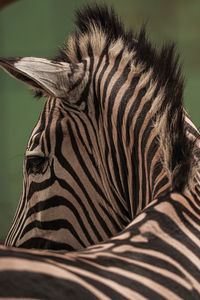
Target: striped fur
[[119, 151], [113, 135], [155, 257]]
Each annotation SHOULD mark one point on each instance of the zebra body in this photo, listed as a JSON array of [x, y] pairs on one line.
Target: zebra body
[[113, 152], [155, 257]]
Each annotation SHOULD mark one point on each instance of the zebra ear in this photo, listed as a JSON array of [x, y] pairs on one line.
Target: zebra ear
[[46, 77]]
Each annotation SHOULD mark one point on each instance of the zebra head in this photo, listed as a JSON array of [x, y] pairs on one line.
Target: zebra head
[[111, 137], [65, 190]]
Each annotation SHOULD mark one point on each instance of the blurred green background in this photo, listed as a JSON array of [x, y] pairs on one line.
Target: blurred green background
[[36, 28]]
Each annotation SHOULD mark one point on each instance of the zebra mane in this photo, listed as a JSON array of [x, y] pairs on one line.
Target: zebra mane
[[101, 30]]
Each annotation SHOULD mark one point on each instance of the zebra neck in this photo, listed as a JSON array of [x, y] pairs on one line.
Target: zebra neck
[[149, 176], [128, 140]]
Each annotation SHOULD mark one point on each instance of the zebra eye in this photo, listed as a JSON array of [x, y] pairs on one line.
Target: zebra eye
[[36, 164]]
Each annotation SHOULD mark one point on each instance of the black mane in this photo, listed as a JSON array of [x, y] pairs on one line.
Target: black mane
[[166, 74]]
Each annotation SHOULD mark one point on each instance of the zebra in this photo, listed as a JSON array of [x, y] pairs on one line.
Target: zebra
[[112, 138], [130, 138], [156, 257]]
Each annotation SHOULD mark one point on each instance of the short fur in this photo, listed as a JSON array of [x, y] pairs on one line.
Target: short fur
[[101, 29]]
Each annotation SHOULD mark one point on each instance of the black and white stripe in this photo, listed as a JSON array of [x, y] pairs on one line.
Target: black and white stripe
[[113, 135], [155, 257]]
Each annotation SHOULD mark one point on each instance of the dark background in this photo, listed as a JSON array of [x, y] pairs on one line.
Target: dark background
[[36, 28]]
